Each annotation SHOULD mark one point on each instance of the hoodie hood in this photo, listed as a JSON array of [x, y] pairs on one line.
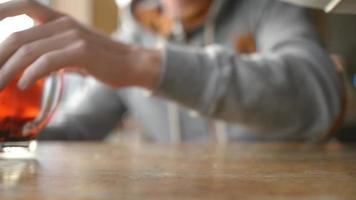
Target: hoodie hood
[[129, 7]]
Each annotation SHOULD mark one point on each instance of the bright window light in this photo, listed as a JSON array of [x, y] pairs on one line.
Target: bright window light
[[122, 3], [14, 24]]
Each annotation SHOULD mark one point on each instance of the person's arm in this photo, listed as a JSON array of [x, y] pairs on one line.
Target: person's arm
[[90, 113], [290, 86], [61, 42]]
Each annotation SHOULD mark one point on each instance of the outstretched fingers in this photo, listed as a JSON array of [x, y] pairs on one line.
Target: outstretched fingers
[[34, 9], [30, 52], [50, 62], [19, 39]]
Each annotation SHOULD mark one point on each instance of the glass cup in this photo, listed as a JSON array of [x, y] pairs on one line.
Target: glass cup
[[24, 113]]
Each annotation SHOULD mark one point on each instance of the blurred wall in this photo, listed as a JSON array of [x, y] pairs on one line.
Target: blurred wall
[[105, 15], [338, 35], [79, 9], [100, 13]]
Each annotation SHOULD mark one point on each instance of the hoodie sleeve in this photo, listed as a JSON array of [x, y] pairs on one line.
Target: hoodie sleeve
[[289, 86]]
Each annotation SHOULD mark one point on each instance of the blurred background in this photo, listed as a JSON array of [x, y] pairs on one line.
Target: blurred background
[[337, 33], [102, 14]]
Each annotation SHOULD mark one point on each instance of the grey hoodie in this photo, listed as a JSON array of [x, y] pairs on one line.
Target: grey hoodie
[[287, 90]]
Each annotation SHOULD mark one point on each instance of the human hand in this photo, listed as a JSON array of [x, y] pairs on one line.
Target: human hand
[[60, 42]]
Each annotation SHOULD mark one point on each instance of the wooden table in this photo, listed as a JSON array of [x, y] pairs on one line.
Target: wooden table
[[245, 171]]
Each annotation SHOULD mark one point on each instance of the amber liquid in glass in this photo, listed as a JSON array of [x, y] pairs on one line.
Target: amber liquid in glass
[[17, 108]]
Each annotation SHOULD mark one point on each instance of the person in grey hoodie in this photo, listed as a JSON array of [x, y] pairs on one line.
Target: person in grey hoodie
[[188, 71]]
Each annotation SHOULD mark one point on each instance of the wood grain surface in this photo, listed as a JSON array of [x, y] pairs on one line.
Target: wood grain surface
[[85, 171]]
